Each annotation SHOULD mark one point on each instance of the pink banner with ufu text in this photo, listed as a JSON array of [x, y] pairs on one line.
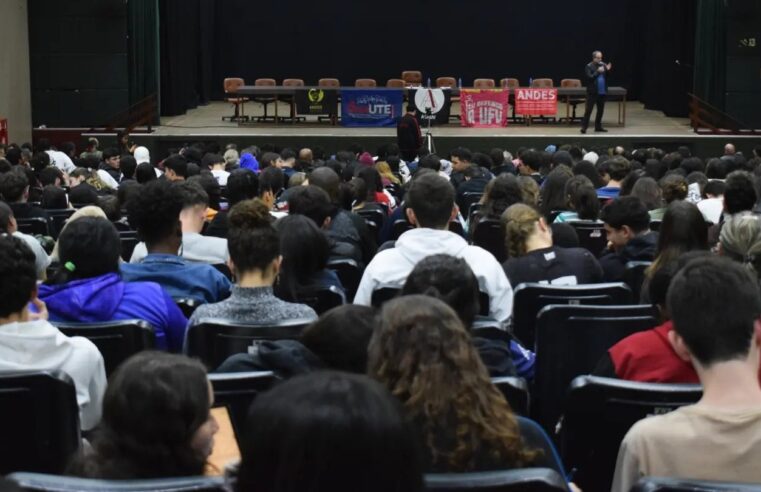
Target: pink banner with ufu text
[[483, 108], [539, 102]]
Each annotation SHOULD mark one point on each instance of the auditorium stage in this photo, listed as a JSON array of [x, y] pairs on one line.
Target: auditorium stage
[[644, 128]]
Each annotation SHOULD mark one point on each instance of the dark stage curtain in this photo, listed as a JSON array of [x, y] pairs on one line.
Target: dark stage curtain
[[711, 52], [204, 41], [142, 19], [186, 33]]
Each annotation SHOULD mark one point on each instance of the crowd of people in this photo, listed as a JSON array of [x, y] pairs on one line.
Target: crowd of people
[[375, 397]]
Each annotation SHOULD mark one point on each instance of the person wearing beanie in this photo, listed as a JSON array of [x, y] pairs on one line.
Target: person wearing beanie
[[366, 159]]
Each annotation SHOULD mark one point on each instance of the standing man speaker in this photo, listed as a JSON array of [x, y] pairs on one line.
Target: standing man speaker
[[408, 134], [597, 90]]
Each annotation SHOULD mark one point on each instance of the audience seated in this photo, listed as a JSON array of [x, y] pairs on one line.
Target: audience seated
[[499, 194], [647, 190], [712, 204], [255, 258], [451, 280], [195, 248], [328, 431], [336, 340], [305, 251], [155, 213], [715, 305], [87, 286], [582, 201], [430, 206], [216, 164], [29, 343], [156, 421], [683, 230], [14, 190], [553, 196], [423, 354], [242, 184], [534, 258], [85, 187], [9, 226], [627, 225], [617, 169]]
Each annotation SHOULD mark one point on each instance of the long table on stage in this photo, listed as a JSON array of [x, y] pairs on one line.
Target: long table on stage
[[564, 93]]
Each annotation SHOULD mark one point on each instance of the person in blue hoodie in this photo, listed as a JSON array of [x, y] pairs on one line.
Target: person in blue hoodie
[[89, 288]]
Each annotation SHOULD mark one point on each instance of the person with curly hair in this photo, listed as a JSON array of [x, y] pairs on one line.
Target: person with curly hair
[[155, 213], [673, 187], [255, 258], [500, 193], [423, 354], [156, 421]]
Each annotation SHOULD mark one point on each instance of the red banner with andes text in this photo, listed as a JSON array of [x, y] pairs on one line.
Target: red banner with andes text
[[539, 101], [483, 108]]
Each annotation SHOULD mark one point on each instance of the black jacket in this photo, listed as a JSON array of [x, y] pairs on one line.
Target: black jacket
[[285, 358], [641, 248], [592, 74]]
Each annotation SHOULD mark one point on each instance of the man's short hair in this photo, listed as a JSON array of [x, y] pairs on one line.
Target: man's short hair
[[155, 210], [13, 184], [193, 194], [626, 211], [48, 175], [271, 179], [6, 214], [242, 184], [532, 159], [462, 153], [714, 303], [268, 159], [431, 197], [431, 161], [312, 202], [618, 168], [178, 164], [18, 275], [740, 193], [328, 180], [287, 153]]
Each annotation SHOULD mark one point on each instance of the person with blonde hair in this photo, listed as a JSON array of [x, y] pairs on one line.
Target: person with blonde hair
[[533, 256], [423, 354], [740, 240], [529, 189], [387, 177]]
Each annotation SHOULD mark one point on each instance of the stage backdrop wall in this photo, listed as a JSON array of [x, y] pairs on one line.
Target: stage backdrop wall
[[204, 41]]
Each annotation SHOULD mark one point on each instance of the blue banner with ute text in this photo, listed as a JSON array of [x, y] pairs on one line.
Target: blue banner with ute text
[[371, 107]]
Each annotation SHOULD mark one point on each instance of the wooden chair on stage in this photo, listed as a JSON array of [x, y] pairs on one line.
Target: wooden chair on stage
[[412, 77], [511, 85], [572, 101], [328, 83], [395, 83], [265, 100], [484, 84], [291, 99], [231, 86], [365, 83], [449, 82], [542, 84]]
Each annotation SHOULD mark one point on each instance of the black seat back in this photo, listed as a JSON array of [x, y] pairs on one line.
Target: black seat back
[[128, 241], [58, 218], [215, 339], [591, 235], [534, 437], [116, 340], [490, 235], [34, 225], [634, 276], [400, 227], [321, 298], [349, 273], [237, 390], [598, 414], [37, 482], [523, 480], [570, 340], [187, 305], [530, 298], [515, 391], [40, 421], [380, 296], [374, 218]]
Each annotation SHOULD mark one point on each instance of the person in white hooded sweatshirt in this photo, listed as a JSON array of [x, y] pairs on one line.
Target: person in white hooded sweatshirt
[[29, 343], [430, 205]]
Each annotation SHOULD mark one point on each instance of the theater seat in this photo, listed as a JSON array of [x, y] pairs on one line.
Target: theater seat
[[40, 421], [321, 298], [37, 482], [215, 339], [530, 298], [598, 414], [383, 294], [634, 276], [489, 235], [58, 218], [34, 225], [349, 274], [238, 390], [591, 235], [515, 391], [523, 480], [661, 484], [116, 340], [187, 306], [570, 340]]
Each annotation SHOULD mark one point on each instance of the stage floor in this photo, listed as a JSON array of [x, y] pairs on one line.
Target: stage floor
[[207, 120]]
